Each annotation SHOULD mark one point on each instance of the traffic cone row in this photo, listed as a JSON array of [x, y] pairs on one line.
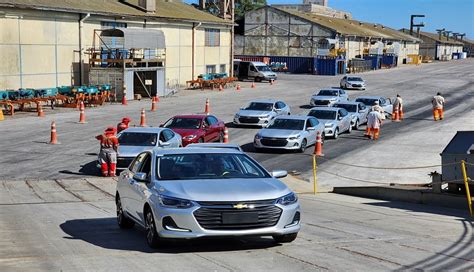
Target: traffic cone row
[[82, 114], [40, 111], [54, 138], [226, 135], [318, 147], [207, 108], [153, 103]]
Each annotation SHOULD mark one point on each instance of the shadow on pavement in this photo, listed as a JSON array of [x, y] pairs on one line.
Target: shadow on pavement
[[105, 233], [88, 169], [306, 107], [425, 209]]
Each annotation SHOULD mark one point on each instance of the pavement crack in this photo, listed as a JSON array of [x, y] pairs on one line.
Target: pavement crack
[[70, 192], [368, 256], [301, 260], [27, 182], [98, 188]]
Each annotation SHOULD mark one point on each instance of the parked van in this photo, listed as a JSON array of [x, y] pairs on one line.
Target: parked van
[[253, 70]]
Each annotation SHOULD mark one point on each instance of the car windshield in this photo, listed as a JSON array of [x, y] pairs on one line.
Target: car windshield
[[328, 92], [367, 101], [354, 79], [260, 106], [207, 166], [323, 114], [347, 107], [137, 139], [290, 124], [186, 123], [263, 68]]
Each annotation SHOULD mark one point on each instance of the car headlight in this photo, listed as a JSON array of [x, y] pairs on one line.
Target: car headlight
[[189, 137], [289, 199], [264, 116], [328, 125], [171, 202], [294, 137], [258, 136], [237, 115]]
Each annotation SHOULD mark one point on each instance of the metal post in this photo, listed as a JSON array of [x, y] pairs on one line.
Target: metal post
[[468, 193], [315, 180]]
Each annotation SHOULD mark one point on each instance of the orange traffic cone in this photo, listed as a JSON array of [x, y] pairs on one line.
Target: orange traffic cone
[[207, 109], [226, 135], [253, 85], [54, 138], [82, 115], [271, 81], [142, 119], [40, 110], [153, 103], [238, 87], [221, 88], [318, 147], [157, 99]]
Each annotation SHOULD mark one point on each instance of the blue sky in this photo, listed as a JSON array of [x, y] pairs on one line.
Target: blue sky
[[454, 15]]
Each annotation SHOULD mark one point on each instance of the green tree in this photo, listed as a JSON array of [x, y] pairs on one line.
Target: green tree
[[244, 6]]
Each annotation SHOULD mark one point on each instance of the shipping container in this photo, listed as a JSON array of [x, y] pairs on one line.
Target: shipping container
[[389, 61], [295, 65], [329, 66], [376, 61], [413, 59], [359, 65], [457, 55], [263, 59]]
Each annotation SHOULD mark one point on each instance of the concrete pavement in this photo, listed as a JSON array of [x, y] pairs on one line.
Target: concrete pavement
[[70, 225]]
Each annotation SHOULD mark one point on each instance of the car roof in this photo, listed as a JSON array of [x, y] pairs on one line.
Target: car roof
[[348, 103], [369, 97], [293, 117], [198, 116], [269, 100], [213, 145], [325, 108], [195, 150], [144, 129], [330, 89]]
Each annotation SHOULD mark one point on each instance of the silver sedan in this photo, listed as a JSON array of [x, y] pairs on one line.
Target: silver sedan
[[327, 97], [358, 110], [289, 132], [189, 193], [261, 112], [336, 120], [352, 82]]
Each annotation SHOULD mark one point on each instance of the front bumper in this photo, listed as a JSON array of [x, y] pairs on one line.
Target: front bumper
[[329, 131], [266, 143], [356, 86], [247, 122], [189, 227], [321, 103], [270, 77]]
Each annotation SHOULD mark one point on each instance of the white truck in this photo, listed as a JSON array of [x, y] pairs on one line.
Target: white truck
[[253, 70]]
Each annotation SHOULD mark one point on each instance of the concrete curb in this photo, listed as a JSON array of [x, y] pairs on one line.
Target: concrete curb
[[406, 194]]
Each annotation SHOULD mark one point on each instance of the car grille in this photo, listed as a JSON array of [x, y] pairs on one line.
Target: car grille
[[249, 120], [356, 85], [273, 141], [224, 216], [321, 102], [124, 162]]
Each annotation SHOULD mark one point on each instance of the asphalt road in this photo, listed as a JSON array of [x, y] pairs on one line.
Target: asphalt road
[[25, 153], [69, 225]]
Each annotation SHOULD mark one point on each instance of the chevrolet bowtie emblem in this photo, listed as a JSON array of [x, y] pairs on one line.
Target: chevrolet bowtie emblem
[[241, 206]]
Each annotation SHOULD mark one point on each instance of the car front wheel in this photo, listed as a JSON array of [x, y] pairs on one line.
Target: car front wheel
[[287, 238], [123, 221], [152, 237], [221, 137], [356, 125], [350, 129], [304, 143], [336, 133]]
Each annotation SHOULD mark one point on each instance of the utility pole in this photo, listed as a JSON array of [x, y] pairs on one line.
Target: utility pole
[[412, 23]]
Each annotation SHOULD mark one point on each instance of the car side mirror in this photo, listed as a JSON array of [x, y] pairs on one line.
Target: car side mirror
[[339, 118], [164, 143], [140, 177], [277, 110], [279, 173]]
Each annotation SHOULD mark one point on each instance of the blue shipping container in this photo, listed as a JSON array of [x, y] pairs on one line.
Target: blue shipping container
[[376, 61], [329, 66], [389, 60], [295, 65]]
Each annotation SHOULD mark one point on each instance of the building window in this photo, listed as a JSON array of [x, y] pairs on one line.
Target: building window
[[222, 68], [107, 25], [212, 37], [210, 69]]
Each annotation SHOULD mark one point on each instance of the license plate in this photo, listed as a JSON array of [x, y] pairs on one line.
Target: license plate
[[239, 218]]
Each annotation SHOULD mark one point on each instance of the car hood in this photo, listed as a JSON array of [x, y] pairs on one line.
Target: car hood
[[185, 132], [356, 82], [224, 190], [278, 133], [324, 97], [132, 151], [268, 73], [327, 121], [254, 113]]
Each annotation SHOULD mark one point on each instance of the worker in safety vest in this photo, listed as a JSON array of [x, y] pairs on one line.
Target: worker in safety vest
[[108, 152], [374, 122], [397, 112], [378, 108], [124, 124], [438, 107]]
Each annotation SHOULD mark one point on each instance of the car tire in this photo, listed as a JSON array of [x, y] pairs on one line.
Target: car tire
[[122, 220], [152, 238], [221, 137], [303, 146], [258, 149], [336, 133], [349, 130], [356, 125], [342, 87], [258, 79], [287, 238]]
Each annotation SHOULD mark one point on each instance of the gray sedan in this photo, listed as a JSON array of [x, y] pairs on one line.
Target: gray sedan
[[385, 103], [327, 97], [289, 132], [352, 82], [336, 120], [133, 141], [190, 193], [358, 111], [261, 112]]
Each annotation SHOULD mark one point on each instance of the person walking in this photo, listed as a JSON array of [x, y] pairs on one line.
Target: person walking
[[438, 107], [108, 152], [397, 112], [374, 122], [124, 124]]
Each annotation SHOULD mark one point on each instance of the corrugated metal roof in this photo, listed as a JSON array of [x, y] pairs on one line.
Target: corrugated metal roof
[[435, 36], [352, 27], [460, 143], [164, 9]]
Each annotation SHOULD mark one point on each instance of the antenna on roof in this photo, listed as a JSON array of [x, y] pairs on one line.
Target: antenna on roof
[[412, 23]]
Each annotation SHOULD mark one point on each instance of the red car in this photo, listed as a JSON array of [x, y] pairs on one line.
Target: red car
[[197, 128]]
